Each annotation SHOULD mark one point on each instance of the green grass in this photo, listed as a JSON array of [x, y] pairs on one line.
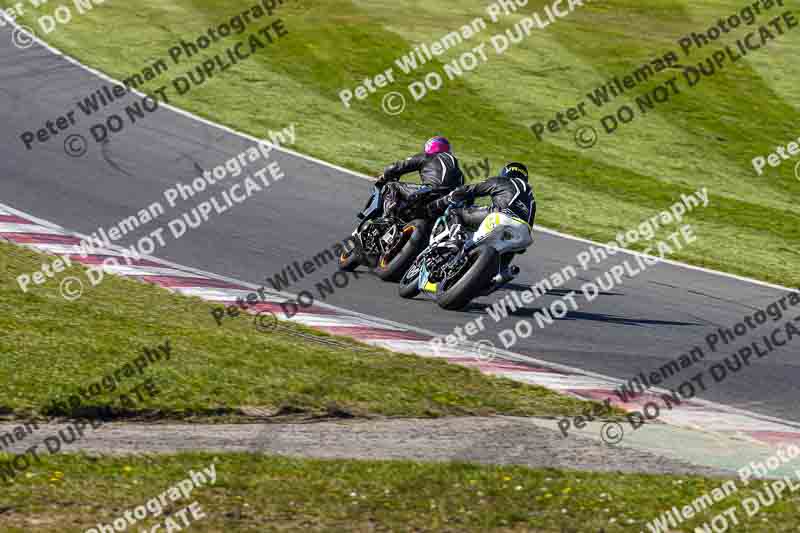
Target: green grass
[[704, 136], [258, 493], [50, 347]]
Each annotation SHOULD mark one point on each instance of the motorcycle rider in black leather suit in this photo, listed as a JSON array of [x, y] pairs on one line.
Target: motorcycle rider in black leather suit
[[511, 195], [510, 192], [438, 169]]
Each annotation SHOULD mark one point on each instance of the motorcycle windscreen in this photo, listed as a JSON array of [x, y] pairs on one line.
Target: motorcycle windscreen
[[373, 204]]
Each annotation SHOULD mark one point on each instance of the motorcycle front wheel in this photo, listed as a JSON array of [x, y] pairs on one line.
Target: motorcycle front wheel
[[409, 283], [349, 260], [454, 294]]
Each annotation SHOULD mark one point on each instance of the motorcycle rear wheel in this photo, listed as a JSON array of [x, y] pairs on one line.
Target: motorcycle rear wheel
[[393, 268], [456, 294]]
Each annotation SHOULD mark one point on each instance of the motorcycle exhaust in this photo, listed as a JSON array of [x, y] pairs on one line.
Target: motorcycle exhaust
[[501, 279], [505, 276]]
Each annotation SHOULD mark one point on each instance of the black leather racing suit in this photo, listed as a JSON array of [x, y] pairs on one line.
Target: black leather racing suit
[[511, 196], [439, 172]]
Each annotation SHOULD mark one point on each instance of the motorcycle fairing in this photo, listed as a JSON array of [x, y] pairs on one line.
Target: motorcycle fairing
[[507, 233], [423, 284]]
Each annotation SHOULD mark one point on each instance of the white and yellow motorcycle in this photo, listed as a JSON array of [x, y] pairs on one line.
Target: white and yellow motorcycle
[[457, 267]]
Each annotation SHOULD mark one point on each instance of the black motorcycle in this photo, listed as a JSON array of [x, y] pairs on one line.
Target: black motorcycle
[[388, 244]]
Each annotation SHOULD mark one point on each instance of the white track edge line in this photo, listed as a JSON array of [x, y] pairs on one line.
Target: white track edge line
[[228, 129], [511, 356], [364, 176]]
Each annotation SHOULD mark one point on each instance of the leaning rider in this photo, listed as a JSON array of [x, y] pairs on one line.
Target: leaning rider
[[510, 193], [438, 169]]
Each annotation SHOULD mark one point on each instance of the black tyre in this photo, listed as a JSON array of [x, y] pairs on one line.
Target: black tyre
[[456, 294], [409, 283], [413, 241], [349, 260]]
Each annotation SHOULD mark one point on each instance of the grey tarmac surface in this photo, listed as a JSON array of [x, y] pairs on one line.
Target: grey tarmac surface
[[638, 327], [492, 440]]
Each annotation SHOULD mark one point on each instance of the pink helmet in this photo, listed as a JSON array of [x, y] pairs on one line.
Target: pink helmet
[[436, 145]]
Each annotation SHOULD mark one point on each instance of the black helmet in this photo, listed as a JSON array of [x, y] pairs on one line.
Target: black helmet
[[515, 170]]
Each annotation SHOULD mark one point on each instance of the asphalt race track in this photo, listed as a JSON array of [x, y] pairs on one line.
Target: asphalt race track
[[640, 326]]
